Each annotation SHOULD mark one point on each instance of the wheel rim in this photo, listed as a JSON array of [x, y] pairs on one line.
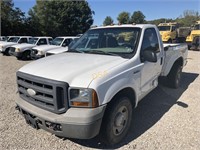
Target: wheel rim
[[120, 120]]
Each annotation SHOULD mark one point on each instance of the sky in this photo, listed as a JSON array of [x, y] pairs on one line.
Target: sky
[[152, 9]]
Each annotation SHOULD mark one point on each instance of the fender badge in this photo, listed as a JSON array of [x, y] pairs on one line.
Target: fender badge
[[31, 92]]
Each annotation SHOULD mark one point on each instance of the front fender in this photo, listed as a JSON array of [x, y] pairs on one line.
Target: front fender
[[115, 82]]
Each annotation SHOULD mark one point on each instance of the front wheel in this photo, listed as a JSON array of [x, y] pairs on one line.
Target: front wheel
[[26, 55], [117, 120], [7, 52], [175, 76]]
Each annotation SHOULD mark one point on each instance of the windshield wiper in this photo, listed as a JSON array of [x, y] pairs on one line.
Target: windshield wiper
[[100, 52], [75, 51]]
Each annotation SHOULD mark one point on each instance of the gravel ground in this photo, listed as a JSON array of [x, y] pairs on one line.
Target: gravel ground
[[166, 119]]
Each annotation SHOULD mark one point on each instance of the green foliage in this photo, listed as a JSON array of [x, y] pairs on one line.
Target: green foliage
[[161, 20], [138, 17], [124, 17], [108, 21], [57, 18], [188, 18]]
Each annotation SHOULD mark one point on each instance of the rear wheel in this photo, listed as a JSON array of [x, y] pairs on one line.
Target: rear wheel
[[174, 76], [117, 120]]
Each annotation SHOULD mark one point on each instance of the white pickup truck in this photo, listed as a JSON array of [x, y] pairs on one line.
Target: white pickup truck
[[61, 49], [93, 89], [13, 40], [23, 51], [58, 42]]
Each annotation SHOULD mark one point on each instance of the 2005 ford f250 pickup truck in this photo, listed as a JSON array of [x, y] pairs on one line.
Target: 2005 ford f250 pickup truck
[[93, 89]]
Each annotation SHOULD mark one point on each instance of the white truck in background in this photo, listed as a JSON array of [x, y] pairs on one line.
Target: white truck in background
[[23, 51], [59, 42], [13, 40], [93, 90], [61, 49]]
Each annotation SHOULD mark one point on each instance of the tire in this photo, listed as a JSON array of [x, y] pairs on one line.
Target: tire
[[26, 55], [7, 53], [116, 121], [174, 76]]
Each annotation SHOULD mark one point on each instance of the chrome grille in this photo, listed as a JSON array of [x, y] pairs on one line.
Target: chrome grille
[[49, 94]]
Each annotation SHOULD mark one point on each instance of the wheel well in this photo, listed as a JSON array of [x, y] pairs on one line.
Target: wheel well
[[129, 92], [179, 61]]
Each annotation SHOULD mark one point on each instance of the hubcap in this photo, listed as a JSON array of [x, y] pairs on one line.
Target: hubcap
[[120, 120]]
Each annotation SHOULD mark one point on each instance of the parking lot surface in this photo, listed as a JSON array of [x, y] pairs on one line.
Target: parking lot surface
[[165, 119]]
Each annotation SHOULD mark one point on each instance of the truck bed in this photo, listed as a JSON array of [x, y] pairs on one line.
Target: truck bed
[[174, 52]]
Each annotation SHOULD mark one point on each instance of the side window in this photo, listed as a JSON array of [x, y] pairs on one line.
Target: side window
[[173, 28], [23, 40], [66, 42], [150, 40], [42, 42]]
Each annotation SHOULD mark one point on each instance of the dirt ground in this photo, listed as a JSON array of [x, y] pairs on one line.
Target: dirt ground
[[166, 119]]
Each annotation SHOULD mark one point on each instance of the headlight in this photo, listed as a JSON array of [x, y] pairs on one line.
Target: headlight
[[40, 53], [83, 98], [1, 46], [17, 50]]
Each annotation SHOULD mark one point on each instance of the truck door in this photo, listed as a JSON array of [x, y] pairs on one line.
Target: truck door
[[150, 70]]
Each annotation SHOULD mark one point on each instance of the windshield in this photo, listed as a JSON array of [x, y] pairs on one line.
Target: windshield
[[57, 41], [117, 41], [164, 28], [13, 39], [33, 41], [197, 27]]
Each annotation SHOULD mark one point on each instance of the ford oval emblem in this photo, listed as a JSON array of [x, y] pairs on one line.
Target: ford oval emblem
[[31, 92]]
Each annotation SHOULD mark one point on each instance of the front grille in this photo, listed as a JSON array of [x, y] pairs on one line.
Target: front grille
[[49, 94], [12, 49]]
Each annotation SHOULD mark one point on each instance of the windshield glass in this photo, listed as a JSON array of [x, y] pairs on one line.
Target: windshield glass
[[164, 28], [108, 40], [33, 40], [13, 39], [197, 27], [57, 41]]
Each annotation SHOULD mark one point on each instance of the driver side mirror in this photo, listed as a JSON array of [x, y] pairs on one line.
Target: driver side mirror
[[150, 56]]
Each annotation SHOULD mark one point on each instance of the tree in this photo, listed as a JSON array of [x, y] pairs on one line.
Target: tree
[[161, 20], [188, 18], [61, 17], [124, 17], [12, 19], [108, 21], [6, 9], [138, 17]]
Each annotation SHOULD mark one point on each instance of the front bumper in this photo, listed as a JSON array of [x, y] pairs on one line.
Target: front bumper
[[36, 56], [16, 54], [79, 123]]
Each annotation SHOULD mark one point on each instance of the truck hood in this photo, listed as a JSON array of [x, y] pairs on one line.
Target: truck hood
[[45, 48], [24, 45], [7, 43], [58, 50], [76, 69]]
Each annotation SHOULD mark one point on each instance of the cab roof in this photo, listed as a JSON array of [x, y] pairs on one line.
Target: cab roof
[[125, 26]]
